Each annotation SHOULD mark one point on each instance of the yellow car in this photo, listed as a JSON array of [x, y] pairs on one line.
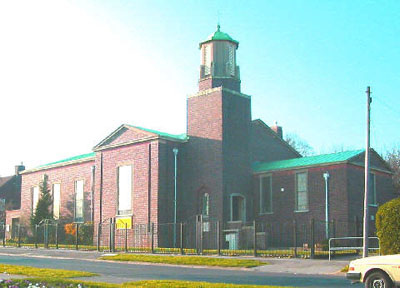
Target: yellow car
[[376, 272]]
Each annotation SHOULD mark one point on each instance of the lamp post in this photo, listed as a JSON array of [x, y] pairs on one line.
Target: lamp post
[[326, 177], [175, 150]]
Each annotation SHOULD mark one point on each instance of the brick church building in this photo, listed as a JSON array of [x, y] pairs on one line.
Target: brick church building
[[226, 167]]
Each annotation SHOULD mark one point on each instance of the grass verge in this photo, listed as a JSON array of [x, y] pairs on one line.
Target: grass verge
[[186, 260], [43, 272], [146, 284]]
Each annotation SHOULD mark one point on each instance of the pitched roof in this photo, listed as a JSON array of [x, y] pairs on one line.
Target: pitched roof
[[4, 180], [179, 137], [305, 161], [219, 36], [64, 162]]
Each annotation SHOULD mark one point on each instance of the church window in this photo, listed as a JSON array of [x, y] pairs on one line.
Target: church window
[[79, 200], [124, 190], [301, 192], [231, 60], [207, 59], [237, 208], [372, 190], [56, 200], [266, 194]]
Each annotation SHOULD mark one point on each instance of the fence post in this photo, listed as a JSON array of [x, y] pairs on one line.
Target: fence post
[[19, 235], [126, 237], [312, 240], [98, 236], [77, 236], [113, 234], [255, 239], [56, 235], [36, 236], [152, 237], [45, 235], [219, 237], [201, 234], [4, 235], [181, 237], [110, 236], [197, 234], [295, 237]]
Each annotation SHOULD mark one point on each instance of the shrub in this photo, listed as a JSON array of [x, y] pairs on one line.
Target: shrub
[[388, 226]]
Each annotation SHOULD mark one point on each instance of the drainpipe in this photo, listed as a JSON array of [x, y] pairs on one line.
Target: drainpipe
[[326, 177], [175, 150]]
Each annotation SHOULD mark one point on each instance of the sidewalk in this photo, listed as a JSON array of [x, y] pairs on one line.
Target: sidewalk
[[276, 265]]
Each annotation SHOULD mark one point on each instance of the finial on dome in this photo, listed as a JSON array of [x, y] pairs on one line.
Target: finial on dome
[[218, 27]]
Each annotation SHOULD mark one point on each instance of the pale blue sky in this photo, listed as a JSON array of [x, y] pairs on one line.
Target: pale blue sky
[[72, 71]]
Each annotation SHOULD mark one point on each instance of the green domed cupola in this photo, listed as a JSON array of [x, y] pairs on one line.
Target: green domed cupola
[[218, 61], [219, 36]]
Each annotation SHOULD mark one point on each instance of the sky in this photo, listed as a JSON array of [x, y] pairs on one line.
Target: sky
[[71, 72]]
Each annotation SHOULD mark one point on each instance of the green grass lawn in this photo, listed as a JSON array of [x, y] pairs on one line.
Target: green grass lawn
[[187, 260], [60, 278]]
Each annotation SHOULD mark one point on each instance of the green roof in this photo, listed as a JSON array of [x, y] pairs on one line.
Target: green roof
[[305, 161], [219, 36], [75, 158], [178, 137]]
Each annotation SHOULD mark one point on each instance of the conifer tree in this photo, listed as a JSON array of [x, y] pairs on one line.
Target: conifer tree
[[43, 207]]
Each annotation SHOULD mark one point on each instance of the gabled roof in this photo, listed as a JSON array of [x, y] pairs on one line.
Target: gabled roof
[[177, 137], [4, 180], [306, 161], [273, 134], [64, 162], [152, 134]]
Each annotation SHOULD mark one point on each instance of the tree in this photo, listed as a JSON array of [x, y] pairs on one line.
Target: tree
[[299, 144], [393, 159], [388, 227], [43, 207]]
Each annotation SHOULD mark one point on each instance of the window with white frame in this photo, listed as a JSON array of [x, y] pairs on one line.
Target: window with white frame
[[372, 190], [124, 190], [206, 205], [35, 198], [56, 200], [79, 200], [237, 208], [301, 192], [266, 194]]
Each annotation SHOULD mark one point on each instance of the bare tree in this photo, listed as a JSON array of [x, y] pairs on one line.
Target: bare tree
[[393, 159], [299, 144]]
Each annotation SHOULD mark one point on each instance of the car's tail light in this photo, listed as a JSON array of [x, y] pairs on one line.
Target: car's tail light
[[351, 268]]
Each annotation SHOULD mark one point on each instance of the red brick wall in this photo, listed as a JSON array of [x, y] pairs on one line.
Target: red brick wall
[[138, 156], [230, 83], [66, 176]]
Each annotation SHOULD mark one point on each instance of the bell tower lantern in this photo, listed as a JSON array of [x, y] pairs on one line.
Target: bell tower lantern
[[218, 62]]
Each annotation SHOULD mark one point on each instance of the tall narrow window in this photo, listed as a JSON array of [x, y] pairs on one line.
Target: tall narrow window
[[237, 208], [301, 192], [265, 194], [124, 190], [35, 198], [371, 190], [207, 59], [56, 200], [79, 201], [231, 60], [206, 205]]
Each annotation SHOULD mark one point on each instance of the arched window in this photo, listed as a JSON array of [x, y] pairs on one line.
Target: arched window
[[206, 205]]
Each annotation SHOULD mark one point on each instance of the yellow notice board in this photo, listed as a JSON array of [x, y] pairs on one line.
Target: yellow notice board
[[125, 222]]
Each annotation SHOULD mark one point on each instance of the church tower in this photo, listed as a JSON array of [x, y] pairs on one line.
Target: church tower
[[218, 182]]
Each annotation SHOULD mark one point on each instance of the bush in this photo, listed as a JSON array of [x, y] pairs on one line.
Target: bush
[[388, 227]]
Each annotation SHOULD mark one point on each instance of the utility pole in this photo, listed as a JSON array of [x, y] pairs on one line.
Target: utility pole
[[366, 187]]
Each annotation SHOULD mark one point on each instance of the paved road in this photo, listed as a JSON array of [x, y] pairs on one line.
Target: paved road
[[123, 272]]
